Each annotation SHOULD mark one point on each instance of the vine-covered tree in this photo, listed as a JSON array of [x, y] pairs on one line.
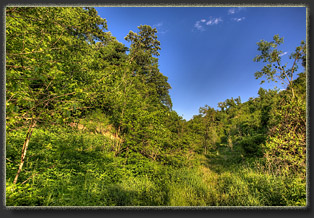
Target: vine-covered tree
[[286, 119]]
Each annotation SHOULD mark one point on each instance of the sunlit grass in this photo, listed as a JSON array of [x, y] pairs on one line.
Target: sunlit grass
[[87, 173]]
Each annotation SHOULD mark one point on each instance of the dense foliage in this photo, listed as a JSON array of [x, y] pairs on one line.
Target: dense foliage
[[90, 123]]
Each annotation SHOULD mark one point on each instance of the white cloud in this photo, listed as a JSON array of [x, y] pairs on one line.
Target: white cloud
[[235, 10], [198, 26], [163, 31], [238, 19], [283, 54], [231, 11], [214, 21], [158, 24], [160, 28]]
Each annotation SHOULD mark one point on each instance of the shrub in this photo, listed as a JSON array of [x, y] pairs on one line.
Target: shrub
[[252, 145], [286, 142]]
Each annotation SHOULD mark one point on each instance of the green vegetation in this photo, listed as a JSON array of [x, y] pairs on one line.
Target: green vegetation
[[90, 124]]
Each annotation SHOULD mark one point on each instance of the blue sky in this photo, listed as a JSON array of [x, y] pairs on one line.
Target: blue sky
[[207, 52]]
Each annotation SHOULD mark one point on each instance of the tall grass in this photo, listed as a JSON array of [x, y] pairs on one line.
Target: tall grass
[[71, 168]]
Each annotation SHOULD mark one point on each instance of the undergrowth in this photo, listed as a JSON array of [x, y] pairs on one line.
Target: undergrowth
[[66, 167]]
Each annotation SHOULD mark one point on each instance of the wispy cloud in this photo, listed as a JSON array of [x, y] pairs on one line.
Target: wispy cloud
[[231, 11], [214, 21], [163, 31], [283, 54], [239, 19], [199, 25], [158, 24], [160, 28], [235, 10]]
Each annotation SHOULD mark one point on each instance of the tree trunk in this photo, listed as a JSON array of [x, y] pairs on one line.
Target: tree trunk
[[292, 93], [24, 149]]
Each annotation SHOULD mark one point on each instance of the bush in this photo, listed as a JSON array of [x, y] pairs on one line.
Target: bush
[[252, 145], [286, 142]]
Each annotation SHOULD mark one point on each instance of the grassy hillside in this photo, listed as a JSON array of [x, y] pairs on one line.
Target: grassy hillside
[[98, 128], [67, 166]]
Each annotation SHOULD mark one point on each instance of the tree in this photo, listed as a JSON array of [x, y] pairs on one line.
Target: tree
[[286, 140], [144, 45], [222, 106], [274, 70], [209, 126], [43, 84], [144, 48], [285, 116]]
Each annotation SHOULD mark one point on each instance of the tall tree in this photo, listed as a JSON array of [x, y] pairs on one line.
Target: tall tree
[[274, 70], [144, 45], [144, 48], [209, 127], [43, 83], [284, 115]]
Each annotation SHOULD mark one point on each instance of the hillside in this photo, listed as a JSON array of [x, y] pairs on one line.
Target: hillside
[[89, 122]]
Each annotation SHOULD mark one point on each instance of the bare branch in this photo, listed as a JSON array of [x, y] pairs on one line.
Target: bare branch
[[16, 67], [295, 60]]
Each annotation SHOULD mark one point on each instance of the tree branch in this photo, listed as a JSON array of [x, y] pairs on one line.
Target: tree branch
[[292, 69], [16, 67], [34, 52]]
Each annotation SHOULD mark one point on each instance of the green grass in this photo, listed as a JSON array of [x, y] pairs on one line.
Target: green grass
[[66, 167]]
